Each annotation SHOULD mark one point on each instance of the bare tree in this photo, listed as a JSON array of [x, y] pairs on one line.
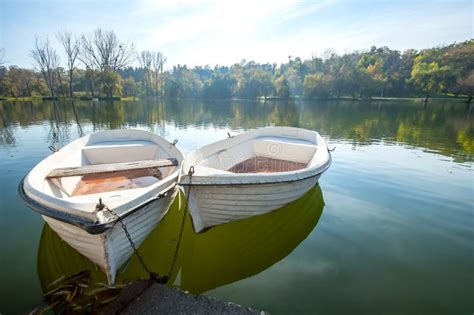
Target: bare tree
[[158, 61], [146, 59], [71, 48], [61, 86], [104, 51], [47, 60], [88, 60], [152, 62]]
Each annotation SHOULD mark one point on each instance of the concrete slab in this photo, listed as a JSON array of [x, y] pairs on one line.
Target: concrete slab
[[147, 297]]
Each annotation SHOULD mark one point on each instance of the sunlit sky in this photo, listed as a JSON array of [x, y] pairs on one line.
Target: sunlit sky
[[205, 32]]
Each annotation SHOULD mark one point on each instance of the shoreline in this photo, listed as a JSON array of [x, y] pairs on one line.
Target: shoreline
[[342, 98]]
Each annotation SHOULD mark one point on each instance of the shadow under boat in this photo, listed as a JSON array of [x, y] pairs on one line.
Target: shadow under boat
[[204, 261]]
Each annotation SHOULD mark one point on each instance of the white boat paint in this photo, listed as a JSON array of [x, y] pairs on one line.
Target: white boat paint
[[218, 195], [108, 249]]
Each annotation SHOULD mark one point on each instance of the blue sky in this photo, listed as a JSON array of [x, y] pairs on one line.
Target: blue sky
[[201, 32]]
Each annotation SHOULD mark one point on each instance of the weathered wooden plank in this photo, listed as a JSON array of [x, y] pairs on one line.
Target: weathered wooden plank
[[260, 164], [110, 168]]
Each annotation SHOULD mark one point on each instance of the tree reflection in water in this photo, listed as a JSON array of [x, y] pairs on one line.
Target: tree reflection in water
[[444, 126]]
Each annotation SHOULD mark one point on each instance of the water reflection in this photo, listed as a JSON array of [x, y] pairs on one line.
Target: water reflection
[[393, 210], [443, 126], [6, 134], [221, 255]]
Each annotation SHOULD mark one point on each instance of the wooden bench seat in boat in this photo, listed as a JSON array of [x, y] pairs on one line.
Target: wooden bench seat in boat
[[261, 164], [110, 168]]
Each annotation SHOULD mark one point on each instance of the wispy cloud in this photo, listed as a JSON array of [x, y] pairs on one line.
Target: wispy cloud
[[199, 32], [221, 32]]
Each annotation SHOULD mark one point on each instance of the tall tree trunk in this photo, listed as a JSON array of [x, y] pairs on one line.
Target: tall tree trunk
[[426, 99], [71, 92], [91, 87], [157, 83], [28, 88], [161, 81], [61, 83], [147, 83], [49, 81]]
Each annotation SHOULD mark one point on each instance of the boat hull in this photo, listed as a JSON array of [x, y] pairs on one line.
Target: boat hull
[[110, 249], [211, 205]]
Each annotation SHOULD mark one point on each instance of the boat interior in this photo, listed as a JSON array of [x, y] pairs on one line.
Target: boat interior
[[262, 164], [112, 166], [269, 154], [98, 183]]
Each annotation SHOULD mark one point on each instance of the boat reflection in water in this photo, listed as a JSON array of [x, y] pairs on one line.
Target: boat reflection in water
[[221, 255]]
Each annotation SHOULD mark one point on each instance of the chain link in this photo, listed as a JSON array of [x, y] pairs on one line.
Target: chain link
[[153, 276], [183, 220], [129, 237]]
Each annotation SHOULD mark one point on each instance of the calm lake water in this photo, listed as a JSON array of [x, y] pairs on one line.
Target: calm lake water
[[389, 229]]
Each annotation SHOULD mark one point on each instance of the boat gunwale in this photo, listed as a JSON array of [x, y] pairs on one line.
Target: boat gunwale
[[195, 181], [91, 227], [235, 179]]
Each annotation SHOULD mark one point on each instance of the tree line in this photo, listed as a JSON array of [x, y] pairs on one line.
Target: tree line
[[100, 65]]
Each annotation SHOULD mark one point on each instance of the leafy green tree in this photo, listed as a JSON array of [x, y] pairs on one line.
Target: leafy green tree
[[183, 83], [363, 83], [258, 82], [281, 87], [295, 83], [466, 86], [460, 58], [130, 87], [219, 86], [19, 82], [376, 71], [92, 77], [266, 85], [318, 85], [110, 83], [173, 88], [428, 76]]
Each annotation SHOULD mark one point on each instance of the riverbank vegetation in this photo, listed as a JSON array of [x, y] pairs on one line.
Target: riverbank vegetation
[[100, 65]]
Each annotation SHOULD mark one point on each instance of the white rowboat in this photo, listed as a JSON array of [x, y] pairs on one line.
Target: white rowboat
[[131, 172], [252, 173]]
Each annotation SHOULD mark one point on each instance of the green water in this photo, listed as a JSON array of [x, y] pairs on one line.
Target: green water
[[389, 230]]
